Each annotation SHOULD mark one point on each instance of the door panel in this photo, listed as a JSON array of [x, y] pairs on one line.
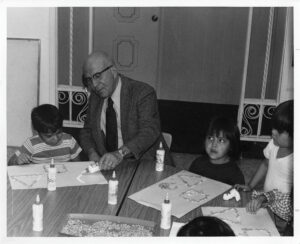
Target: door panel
[[202, 54], [130, 36]]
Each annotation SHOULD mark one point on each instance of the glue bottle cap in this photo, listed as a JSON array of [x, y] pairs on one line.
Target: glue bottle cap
[[167, 200], [52, 163], [114, 175], [160, 145], [37, 200]]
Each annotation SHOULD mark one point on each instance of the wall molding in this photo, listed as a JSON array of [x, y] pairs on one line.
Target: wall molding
[[125, 52], [127, 15]]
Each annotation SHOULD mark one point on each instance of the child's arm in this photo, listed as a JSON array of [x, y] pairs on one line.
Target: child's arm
[[75, 150], [280, 203], [19, 158], [259, 174], [23, 159], [256, 204], [76, 159], [13, 160]]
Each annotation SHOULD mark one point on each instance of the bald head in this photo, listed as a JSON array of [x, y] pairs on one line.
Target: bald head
[[99, 74], [96, 60]]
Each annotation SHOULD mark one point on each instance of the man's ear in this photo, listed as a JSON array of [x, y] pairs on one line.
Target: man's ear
[[114, 71]]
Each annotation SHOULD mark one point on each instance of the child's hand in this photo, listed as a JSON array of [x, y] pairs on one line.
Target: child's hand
[[242, 187], [255, 204], [23, 158]]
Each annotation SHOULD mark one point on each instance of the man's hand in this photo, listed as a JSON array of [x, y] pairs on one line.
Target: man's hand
[[110, 160], [255, 204], [23, 158], [93, 156]]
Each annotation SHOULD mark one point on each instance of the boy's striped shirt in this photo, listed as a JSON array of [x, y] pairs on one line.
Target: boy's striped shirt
[[40, 152]]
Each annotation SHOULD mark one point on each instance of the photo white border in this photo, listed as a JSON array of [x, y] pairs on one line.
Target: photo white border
[[77, 3]]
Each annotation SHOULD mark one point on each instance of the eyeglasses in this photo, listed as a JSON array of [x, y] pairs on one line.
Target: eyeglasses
[[87, 81]]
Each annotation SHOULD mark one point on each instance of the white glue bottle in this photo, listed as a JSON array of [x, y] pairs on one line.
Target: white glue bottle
[[160, 158], [37, 215], [52, 176], [113, 189], [166, 208]]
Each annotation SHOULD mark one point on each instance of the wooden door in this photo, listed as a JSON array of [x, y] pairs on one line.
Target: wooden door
[[130, 36]]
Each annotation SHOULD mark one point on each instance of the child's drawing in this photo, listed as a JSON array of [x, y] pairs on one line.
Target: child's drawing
[[60, 168], [190, 180], [34, 176], [255, 232], [229, 215], [186, 190], [244, 223], [26, 180], [194, 195], [168, 186]]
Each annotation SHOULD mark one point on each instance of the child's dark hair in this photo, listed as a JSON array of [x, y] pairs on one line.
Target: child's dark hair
[[46, 119], [206, 226], [283, 118], [230, 131]]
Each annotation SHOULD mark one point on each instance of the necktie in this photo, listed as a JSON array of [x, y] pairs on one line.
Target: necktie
[[111, 127]]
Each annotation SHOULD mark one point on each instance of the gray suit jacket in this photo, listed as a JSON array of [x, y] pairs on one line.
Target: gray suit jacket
[[140, 122]]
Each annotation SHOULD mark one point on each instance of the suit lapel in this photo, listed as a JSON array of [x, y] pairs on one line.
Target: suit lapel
[[101, 101], [101, 135], [124, 106]]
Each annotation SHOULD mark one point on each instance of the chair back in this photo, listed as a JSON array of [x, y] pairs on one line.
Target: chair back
[[168, 138]]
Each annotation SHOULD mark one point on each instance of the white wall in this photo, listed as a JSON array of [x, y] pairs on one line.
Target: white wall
[[37, 23], [24, 83]]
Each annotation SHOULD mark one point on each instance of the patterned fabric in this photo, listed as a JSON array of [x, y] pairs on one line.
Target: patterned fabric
[[280, 203], [40, 152]]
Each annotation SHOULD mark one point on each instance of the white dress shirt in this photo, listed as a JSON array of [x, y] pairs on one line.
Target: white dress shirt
[[116, 99]]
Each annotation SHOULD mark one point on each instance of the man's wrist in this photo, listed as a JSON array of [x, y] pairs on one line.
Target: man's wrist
[[91, 151], [124, 152]]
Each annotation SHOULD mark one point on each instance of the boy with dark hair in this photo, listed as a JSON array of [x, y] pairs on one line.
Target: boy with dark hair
[[49, 142], [278, 169]]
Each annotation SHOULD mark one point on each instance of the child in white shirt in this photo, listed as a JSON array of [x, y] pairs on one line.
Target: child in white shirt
[[278, 169]]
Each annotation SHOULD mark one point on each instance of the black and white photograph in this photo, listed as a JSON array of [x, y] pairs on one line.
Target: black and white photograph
[[131, 119]]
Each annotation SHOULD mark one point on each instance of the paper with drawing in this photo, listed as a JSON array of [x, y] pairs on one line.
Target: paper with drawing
[[175, 228], [33, 176], [186, 190], [244, 223]]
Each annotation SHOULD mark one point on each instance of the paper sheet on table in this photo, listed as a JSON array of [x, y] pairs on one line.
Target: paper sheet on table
[[175, 228], [186, 190], [243, 223], [33, 176]]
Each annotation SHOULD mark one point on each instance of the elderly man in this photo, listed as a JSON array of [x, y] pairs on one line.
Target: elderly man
[[122, 118]]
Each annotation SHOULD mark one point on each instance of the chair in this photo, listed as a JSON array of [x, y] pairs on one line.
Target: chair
[[168, 138]]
